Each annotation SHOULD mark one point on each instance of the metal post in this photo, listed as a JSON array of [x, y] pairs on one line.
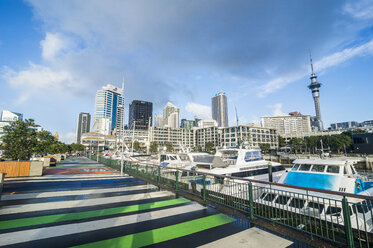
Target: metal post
[[251, 202], [97, 151], [177, 181], [347, 223], [121, 157], [204, 188], [159, 175]]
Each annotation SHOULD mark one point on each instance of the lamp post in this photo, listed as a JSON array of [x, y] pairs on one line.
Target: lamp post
[[97, 150], [121, 157]]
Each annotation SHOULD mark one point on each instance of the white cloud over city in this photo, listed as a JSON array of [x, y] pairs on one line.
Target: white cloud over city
[[185, 52]]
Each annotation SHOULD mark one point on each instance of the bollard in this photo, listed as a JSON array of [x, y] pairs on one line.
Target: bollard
[[347, 223], [367, 163], [251, 201], [270, 176]]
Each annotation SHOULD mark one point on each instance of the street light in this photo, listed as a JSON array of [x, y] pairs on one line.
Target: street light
[[121, 159]]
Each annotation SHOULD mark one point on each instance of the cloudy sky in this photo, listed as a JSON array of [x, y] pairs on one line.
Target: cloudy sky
[[55, 55]]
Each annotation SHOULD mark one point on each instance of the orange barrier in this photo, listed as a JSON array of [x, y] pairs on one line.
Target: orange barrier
[[15, 169]]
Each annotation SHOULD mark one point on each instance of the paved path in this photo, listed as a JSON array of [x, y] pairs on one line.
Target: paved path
[[79, 207]]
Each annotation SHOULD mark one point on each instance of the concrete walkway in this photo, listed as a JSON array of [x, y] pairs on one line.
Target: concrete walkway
[[79, 206]]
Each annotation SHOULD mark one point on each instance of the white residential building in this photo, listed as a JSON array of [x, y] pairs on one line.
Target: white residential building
[[253, 134], [209, 122], [7, 115], [294, 123]]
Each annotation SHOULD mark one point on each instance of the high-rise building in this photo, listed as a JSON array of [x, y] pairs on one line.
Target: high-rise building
[[7, 115], [219, 108], [84, 124], [171, 116], [187, 124], [109, 105], [314, 87], [158, 121], [140, 114]]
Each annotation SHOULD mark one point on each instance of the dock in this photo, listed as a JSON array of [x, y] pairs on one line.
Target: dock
[[81, 203]]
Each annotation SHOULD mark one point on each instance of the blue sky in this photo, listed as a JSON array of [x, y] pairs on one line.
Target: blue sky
[[55, 55]]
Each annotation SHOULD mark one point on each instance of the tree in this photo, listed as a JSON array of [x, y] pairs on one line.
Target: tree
[[197, 148], [339, 142], [281, 142], [136, 145], [169, 147], [45, 141], [209, 146], [264, 147], [19, 140], [312, 143], [76, 147], [296, 143], [153, 147]]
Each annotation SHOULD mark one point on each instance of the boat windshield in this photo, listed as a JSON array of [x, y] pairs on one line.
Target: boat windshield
[[203, 158], [253, 156], [229, 154], [184, 157]]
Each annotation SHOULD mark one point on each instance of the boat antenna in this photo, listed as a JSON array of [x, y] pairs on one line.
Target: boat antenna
[[238, 139]]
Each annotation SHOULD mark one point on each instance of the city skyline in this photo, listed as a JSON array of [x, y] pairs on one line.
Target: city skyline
[[52, 63]]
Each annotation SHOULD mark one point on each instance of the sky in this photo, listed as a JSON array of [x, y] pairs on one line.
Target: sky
[[55, 55]]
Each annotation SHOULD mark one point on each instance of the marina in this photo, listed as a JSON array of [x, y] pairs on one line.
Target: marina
[[343, 218], [96, 210]]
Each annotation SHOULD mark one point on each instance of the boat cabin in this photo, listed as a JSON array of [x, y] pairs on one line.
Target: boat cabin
[[326, 174]]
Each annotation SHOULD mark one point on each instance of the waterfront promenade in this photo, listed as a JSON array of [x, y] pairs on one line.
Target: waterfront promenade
[[82, 203]]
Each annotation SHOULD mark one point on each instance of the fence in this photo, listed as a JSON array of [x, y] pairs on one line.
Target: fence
[[343, 219]]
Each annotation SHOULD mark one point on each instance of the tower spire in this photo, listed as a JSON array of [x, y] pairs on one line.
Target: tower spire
[[314, 87], [312, 72]]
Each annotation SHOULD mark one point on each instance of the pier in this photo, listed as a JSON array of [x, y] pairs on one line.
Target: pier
[[82, 203]]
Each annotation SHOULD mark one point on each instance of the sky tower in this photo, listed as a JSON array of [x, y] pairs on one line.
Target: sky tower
[[314, 87]]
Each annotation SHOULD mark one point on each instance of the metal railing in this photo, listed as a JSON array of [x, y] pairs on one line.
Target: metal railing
[[342, 218]]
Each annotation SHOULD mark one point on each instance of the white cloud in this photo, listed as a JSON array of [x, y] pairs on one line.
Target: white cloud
[[36, 79], [345, 55], [277, 109], [360, 9], [68, 137], [321, 65], [53, 45], [198, 110]]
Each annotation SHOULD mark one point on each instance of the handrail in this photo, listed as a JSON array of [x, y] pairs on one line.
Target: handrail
[[275, 184]]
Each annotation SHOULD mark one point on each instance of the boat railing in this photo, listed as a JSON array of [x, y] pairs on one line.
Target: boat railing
[[342, 218]]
